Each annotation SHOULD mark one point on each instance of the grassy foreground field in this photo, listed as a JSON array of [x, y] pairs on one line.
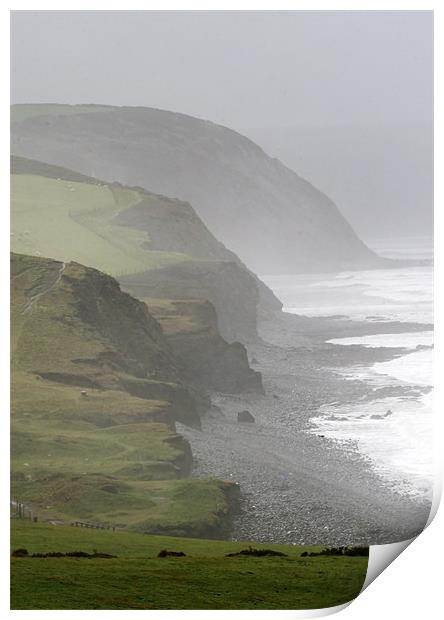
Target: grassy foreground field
[[204, 579]]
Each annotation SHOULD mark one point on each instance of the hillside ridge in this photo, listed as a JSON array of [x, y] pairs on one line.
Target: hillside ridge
[[96, 392], [129, 230], [273, 219]]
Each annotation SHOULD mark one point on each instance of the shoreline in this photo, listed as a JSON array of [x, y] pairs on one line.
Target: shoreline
[[298, 486]]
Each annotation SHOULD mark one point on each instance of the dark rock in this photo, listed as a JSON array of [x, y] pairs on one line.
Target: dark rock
[[245, 416]]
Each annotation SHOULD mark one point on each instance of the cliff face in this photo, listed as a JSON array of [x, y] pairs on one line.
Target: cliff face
[[219, 276], [231, 290], [272, 218], [96, 390], [74, 326], [128, 231], [206, 359]]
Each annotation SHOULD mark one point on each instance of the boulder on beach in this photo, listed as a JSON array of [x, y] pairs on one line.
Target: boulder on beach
[[245, 416], [381, 416]]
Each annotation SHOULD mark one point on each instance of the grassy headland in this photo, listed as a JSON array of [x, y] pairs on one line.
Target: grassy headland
[[129, 231], [95, 394]]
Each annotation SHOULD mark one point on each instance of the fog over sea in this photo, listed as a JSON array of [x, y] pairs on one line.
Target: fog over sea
[[396, 432]]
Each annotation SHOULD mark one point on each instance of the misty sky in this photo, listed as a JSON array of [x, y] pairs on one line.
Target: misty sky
[[344, 98]]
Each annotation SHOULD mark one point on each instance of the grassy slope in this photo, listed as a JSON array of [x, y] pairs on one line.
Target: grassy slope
[[109, 456], [72, 220], [56, 430], [22, 111], [129, 231], [204, 579], [75, 320]]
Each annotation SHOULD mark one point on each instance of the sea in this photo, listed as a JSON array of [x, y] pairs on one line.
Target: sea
[[394, 433]]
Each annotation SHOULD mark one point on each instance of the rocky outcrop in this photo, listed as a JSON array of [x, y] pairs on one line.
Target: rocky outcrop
[[206, 359], [229, 287], [96, 391], [216, 527], [245, 416], [174, 226], [76, 327]]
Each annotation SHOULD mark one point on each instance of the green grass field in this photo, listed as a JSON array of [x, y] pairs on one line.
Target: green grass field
[[173, 507], [103, 459], [55, 429], [69, 220], [204, 579]]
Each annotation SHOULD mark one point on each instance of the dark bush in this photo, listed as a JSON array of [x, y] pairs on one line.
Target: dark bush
[[69, 554], [174, 554], [348, 551], [257, 552], [362, 551]]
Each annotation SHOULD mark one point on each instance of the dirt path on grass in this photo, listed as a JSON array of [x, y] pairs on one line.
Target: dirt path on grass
[[47, 289]]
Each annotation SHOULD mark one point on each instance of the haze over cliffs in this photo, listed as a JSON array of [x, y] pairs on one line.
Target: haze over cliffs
[[155, 246], [273, 219]]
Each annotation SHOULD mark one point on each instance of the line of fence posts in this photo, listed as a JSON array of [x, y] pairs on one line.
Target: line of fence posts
[[94, 526], [22, 512]]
